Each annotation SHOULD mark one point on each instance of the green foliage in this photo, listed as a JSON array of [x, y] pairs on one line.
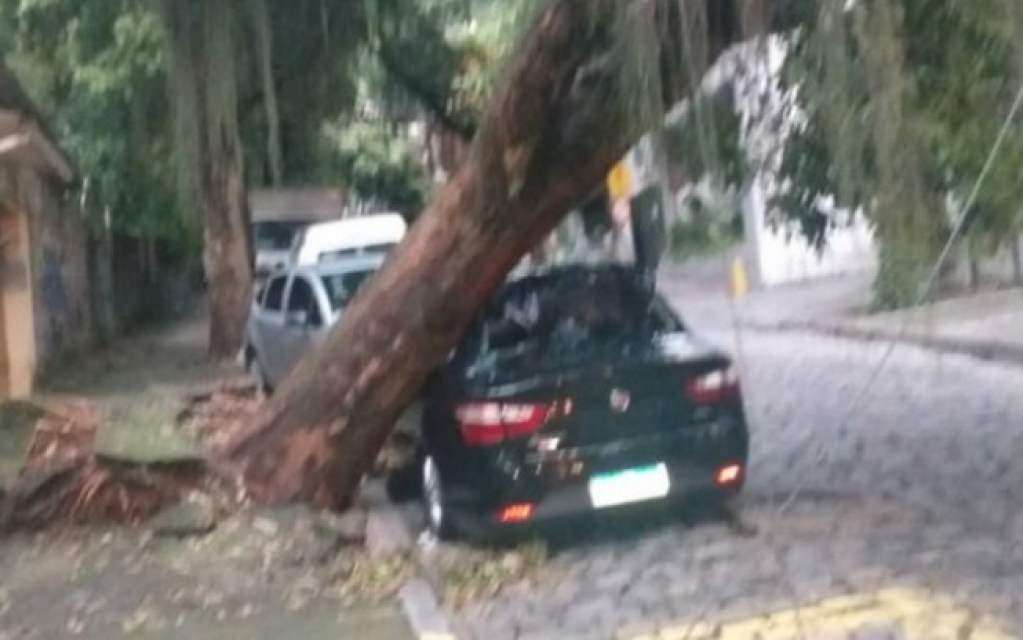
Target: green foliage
[[378, 165], [903, 101], [446, 53], [705, 232], [707, 140], [315, 73], [808, 169], [97, 70]]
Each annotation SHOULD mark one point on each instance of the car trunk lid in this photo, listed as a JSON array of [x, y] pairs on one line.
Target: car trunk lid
[[611, 395]]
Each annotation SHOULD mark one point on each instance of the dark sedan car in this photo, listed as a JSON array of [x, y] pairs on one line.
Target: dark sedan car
[[577, 389]]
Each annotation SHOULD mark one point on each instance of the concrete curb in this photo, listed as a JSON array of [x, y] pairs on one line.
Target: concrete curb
[[424, 613], [387, 531], [989, 350]]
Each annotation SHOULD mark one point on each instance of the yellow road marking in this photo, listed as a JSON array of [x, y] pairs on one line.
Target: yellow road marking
[[917, 614]]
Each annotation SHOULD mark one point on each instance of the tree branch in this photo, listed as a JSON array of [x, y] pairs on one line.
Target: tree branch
[[431, 96]]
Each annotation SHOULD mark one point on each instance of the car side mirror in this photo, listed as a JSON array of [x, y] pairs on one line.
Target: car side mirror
[[297, 318]]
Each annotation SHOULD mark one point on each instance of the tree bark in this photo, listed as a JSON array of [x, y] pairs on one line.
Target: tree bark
[[226, 257], [551, 133], [227, 251], [1016, 251], [264, 44], [974, 261], [202, 43]]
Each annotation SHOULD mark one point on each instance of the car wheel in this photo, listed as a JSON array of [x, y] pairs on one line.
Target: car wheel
[[405, 484], [257, 375], [434, 502]]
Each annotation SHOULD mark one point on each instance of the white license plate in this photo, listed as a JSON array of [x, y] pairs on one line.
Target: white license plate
[[629, 485]]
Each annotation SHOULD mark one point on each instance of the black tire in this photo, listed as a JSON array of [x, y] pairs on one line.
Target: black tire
[[255, 371], [438, 515], [405, 484]]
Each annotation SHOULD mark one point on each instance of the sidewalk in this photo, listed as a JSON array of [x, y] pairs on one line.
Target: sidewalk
[[987, 325], [700, 292]]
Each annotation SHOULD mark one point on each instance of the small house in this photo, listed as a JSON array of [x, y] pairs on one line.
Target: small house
[[44, 282]]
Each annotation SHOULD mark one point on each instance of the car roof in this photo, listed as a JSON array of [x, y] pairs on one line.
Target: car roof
[[346, 264], [348, 233], [338, 266]]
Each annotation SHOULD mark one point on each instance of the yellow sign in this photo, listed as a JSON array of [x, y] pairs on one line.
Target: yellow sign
[[739, 282], [619, 182]]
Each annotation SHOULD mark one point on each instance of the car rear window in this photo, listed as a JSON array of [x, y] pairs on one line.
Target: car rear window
[[573, 313], [342, 287]]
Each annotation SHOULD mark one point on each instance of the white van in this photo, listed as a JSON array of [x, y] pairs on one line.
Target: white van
[[374, 234]]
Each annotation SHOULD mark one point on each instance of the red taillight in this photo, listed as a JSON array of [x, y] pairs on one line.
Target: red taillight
[[485, 423], [729, 474], [718, 385], [515, 513]]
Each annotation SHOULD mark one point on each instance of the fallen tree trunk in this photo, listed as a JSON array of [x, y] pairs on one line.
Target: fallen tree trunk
[[552, 132]]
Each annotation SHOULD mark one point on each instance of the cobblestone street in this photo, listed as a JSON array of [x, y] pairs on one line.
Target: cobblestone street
[[900, 522]]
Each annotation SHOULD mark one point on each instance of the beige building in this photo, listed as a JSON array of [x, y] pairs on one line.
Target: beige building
[[44, 282]]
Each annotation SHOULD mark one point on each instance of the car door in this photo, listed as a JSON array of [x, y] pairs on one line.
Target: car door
[[323, 317], [303, 322], [269, 324]]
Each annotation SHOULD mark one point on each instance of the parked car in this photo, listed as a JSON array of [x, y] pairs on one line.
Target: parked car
[[293, 311], [273, 242], [577, 389], [374, 234]]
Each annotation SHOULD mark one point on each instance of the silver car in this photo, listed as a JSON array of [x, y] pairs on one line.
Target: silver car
[[294, 310]]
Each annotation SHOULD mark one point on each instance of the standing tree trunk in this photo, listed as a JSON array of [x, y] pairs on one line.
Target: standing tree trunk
[[973, 256], [202, 43], [264, 44], [1016, 251], [551, 133]]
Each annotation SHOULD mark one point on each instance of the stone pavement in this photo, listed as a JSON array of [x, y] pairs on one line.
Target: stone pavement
[[907, 504]]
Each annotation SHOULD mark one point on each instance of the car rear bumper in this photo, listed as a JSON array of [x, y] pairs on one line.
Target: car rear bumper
[[689, 482]]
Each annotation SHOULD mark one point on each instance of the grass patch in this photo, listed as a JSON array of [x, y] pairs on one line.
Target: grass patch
[[144, 430], [17, 423]]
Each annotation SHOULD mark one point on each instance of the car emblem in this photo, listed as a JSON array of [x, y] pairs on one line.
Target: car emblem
[[620, 400]]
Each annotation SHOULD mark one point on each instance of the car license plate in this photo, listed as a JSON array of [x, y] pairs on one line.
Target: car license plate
[[629, 485]]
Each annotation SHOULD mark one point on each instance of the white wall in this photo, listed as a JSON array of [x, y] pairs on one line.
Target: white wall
[[778, 253], [774, 254]]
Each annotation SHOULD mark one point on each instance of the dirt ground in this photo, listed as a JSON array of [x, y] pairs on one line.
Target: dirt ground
[[266, 573]]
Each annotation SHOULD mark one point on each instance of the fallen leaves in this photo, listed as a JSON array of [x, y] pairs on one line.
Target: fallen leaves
[[467, 575], [145, 618], [216, 416], [359, 578]]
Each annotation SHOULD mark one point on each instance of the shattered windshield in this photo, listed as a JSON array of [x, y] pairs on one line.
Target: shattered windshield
[[576, 312]]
